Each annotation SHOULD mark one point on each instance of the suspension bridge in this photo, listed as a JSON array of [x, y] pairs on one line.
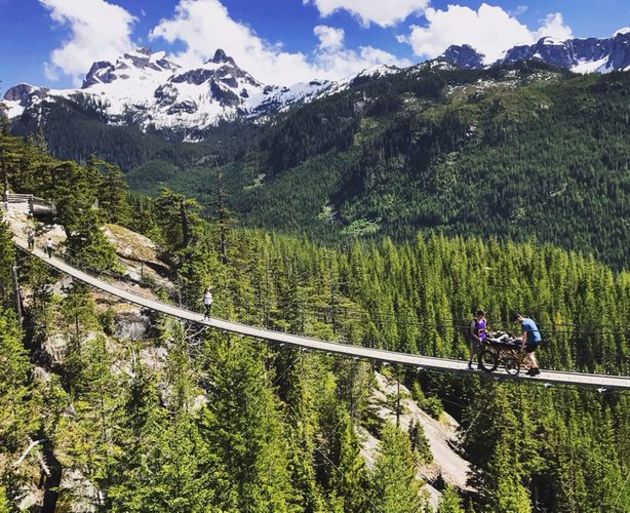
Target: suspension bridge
[[304, 343]]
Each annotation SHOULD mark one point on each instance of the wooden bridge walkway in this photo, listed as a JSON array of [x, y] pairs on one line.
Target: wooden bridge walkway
[[549, 378]]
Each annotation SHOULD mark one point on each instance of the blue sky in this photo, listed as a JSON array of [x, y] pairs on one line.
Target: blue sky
[[53, 42]]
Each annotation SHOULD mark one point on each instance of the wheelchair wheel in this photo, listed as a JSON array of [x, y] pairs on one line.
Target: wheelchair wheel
[[512, 365], [488, 360]]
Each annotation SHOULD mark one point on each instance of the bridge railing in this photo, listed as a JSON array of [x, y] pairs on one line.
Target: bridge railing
[[343, 321], [307, 343], [35, 203]]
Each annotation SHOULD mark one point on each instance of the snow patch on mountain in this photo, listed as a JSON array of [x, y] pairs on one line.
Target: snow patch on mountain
[[553, 41], [585, 66]]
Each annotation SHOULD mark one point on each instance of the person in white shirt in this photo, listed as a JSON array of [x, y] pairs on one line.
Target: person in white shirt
[[207, 303], [49, 247]]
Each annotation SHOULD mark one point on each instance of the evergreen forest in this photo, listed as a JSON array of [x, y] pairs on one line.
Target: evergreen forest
[[523, 152], [192, 420]]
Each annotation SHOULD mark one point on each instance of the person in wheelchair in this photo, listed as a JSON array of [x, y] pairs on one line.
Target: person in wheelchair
[[530, 340], [478, 333]]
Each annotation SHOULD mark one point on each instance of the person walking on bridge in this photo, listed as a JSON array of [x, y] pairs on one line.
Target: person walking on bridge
[[477, 334], [30, 236], [207, 303], [49, 247], [530, 340]]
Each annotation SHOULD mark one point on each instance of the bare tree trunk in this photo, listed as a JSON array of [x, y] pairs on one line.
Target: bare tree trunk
[[18, 299], [185, 223], [397, 397], [53, 480]]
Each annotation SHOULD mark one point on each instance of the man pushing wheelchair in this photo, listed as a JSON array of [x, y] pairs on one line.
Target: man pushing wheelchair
[[493, 349], [530, 340]]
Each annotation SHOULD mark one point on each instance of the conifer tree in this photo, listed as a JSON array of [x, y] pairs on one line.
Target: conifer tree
[[4, 501], [350, 479], [177, 217], [419, 443], [88, 440], [18, 406], [450, 502], [308, 390], [78, 312], [7, 260], [134, 477], [395, 488], [225, 219], [507, 495], [9, 153], [501, 467], [242, 427], [113, 199]]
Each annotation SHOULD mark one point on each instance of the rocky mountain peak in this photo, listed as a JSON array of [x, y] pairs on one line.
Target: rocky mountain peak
[[141, 60], [220, 72], [22, 92], [100, 72], [578, 55], [144, 50], [220, 57], [463, 56], [148, 89]]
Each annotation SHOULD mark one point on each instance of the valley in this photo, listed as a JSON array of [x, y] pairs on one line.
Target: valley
[[347, 231]]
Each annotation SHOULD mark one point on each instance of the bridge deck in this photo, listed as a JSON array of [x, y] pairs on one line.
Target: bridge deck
[[307, 343]]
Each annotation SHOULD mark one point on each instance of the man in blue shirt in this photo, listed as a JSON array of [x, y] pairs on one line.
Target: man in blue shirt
[[530, 340]]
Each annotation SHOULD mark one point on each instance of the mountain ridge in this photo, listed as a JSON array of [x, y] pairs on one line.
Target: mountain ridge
[[588, 55], [148, 89], [151, 91]]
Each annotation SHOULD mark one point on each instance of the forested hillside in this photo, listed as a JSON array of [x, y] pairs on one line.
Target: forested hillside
[[75, 131], [517, 154], [189, 420], [520, 152]]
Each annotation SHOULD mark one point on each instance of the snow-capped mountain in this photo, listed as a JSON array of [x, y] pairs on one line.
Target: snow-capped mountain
[[152, 91], [590, 55], [149, 89]]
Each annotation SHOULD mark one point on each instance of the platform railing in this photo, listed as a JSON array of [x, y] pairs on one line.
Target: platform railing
[[32, 200]]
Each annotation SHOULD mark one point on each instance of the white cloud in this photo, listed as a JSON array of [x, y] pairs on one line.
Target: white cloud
[[205, 25], [51, 72], [553, 26], [329, 37], [385, 13], [346, 63], [519, 10], [98, 31], [490, 30]]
